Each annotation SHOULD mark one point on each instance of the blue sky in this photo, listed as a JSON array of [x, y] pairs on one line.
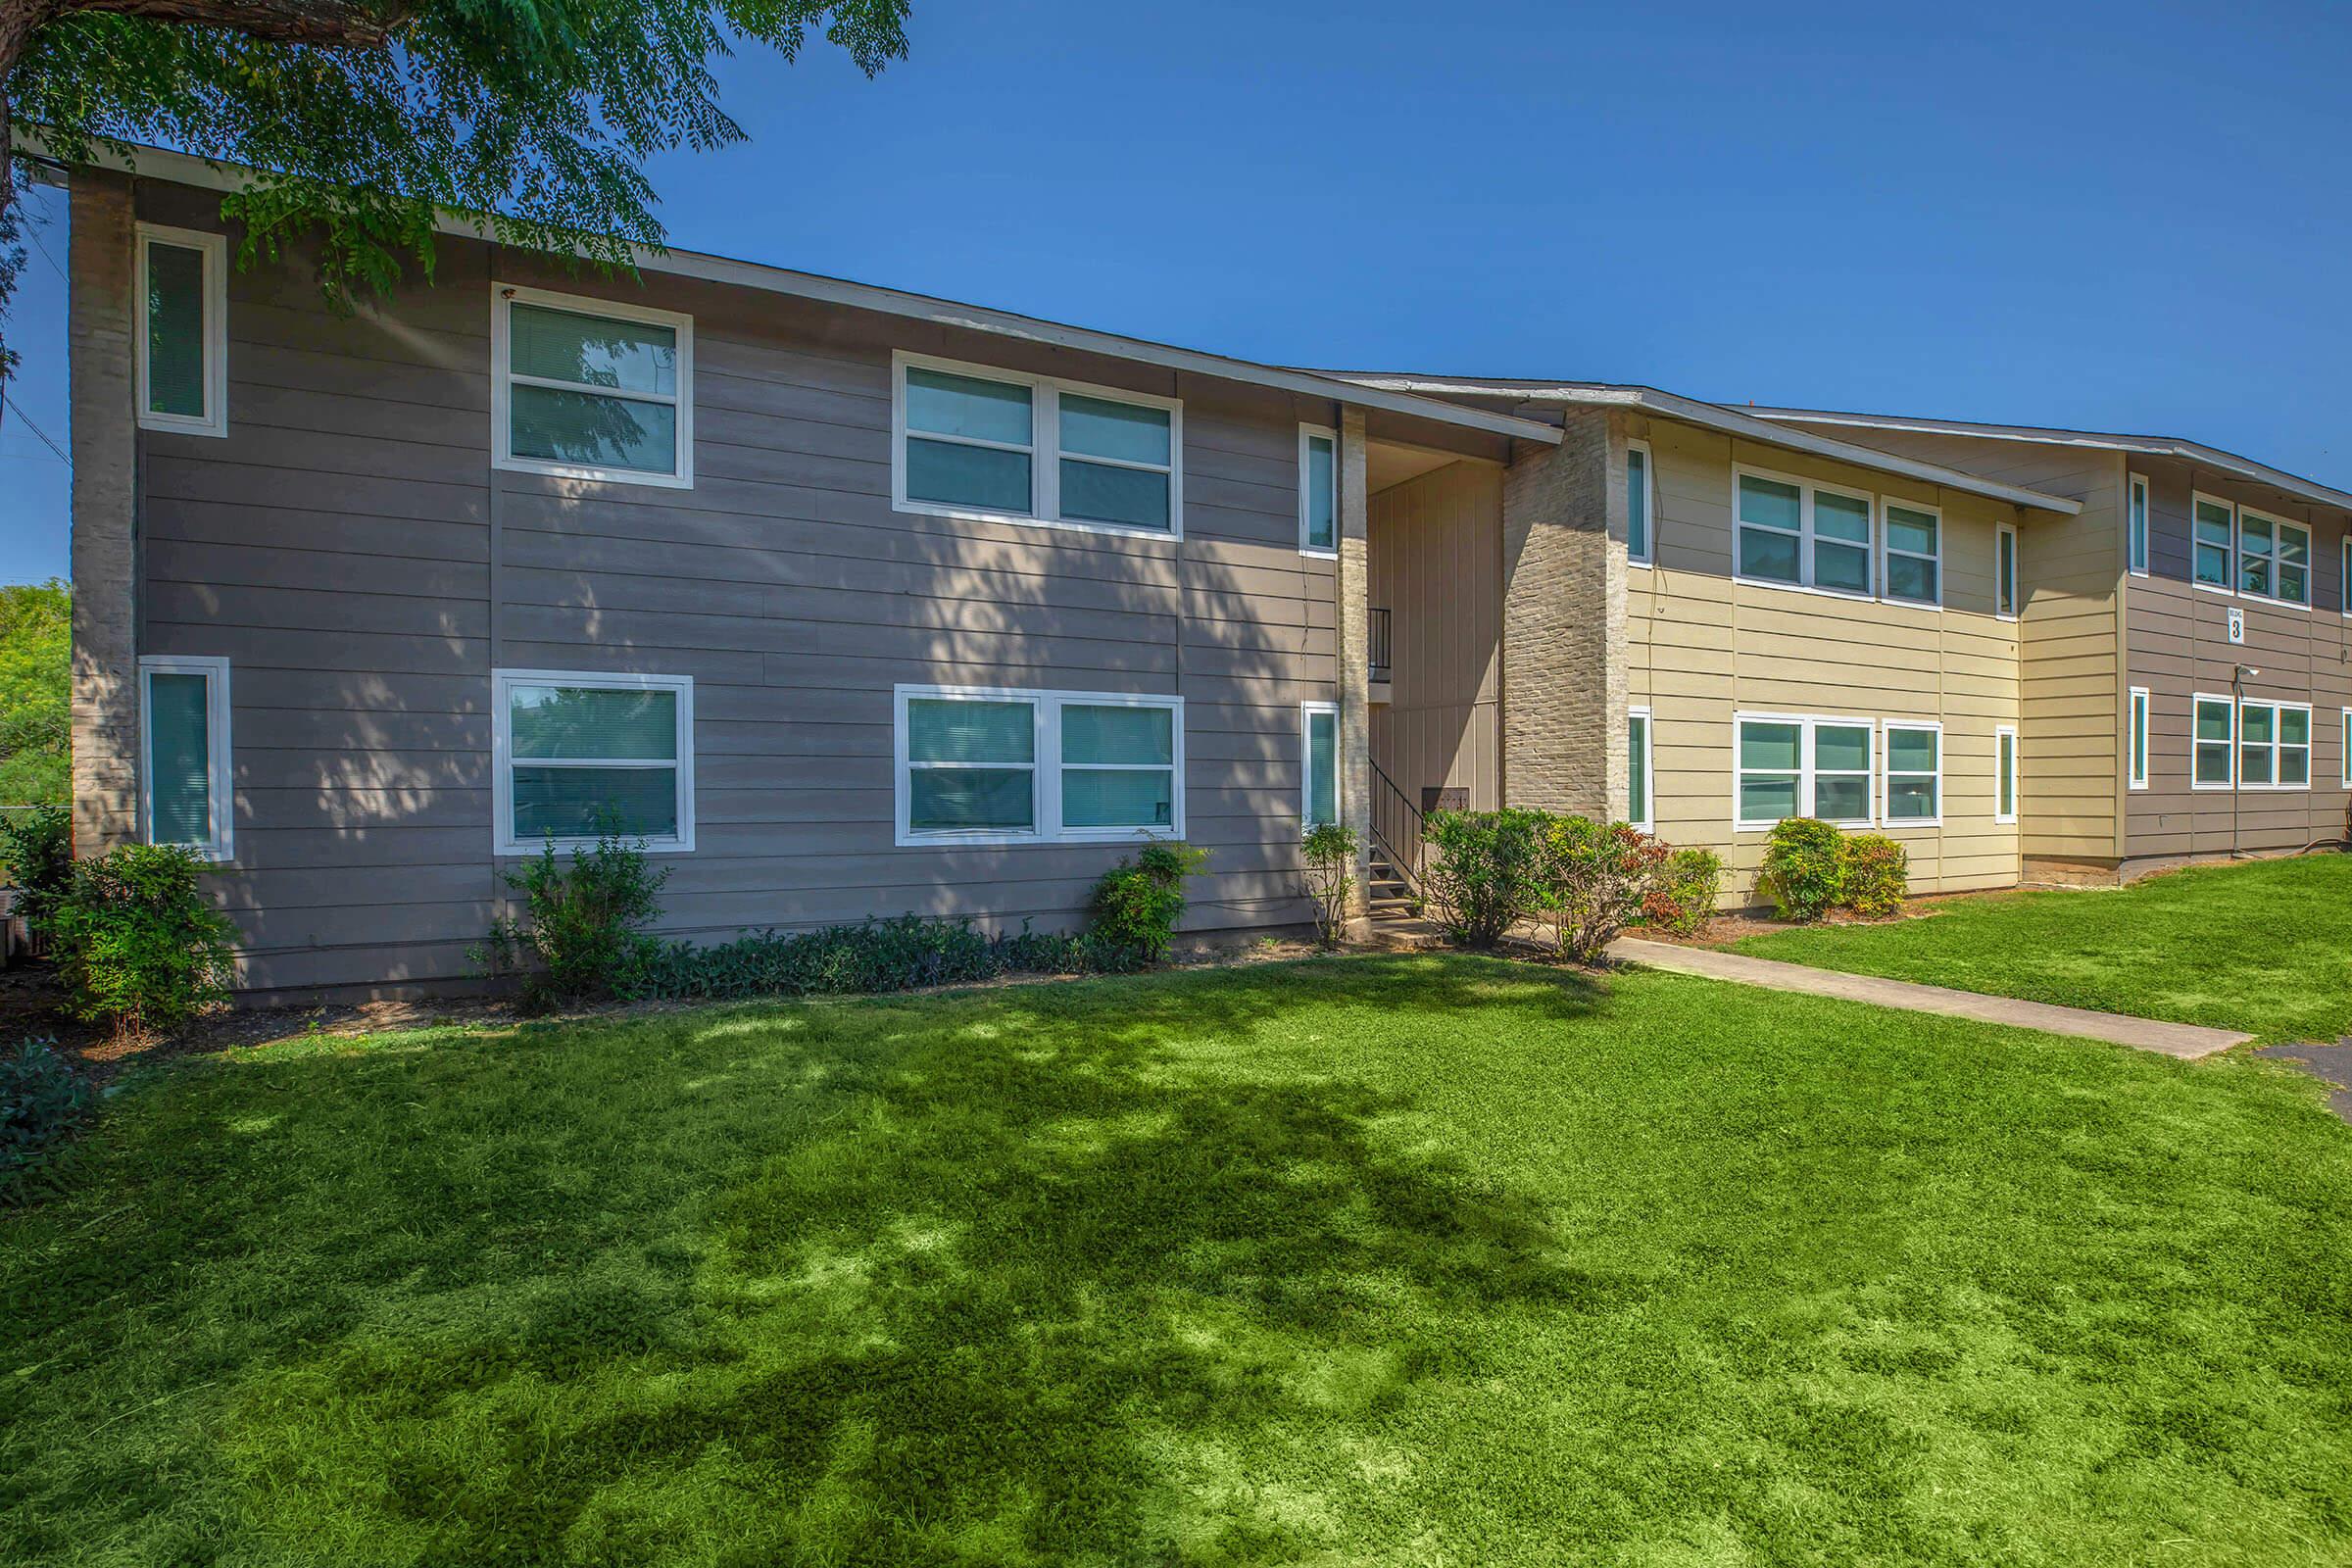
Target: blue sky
[[2127, 218]]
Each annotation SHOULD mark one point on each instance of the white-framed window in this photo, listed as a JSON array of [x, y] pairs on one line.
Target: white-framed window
[[1914, 773], [2004, 760], [2213, 743], [186, 786], [1319, 754], [577, 753], [2213, 542], [1914, 570], [2138, 775], [994, 764], [2345, 757], [1639, 769], [1641, 490], [2005, 598], [971, 441], [2273, 557], [590, 389], [2273, 746], [1802, 764], [2346, 579], [1318, 490], [2139, 523], [181, 344], [1795, 533]]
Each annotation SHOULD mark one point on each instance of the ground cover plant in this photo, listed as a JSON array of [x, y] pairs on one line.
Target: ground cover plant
[[2264, 946], [1363, 1260]]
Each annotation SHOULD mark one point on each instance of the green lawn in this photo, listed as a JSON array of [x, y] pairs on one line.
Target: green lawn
[[2264, 946], [1375, 1261]]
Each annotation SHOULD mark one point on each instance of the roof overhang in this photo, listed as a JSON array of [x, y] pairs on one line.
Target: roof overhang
[[1716, 417], [2154, 445], [208, 175]]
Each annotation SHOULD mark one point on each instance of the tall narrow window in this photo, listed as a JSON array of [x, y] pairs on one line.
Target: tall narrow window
[[2345, 581], [2212, 536], [1841, 772], [2140, 738], [2004, 785], [579, 756], [1639, 541], [1914, 554], [1914, 773], [1318, 490], [2215, 767], [1840, 542], [590, 389], [1638, 769], [1319, 725], [182, 348], [2344, 757], [2004, 588], [184, 777], [2139, 525]]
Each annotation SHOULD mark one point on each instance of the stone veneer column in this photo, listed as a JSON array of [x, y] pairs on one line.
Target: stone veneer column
[[1355, 651], [1563, 622], [105, 552]]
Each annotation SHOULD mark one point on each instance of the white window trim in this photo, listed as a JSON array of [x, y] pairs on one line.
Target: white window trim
[[2012, 774], [2006, 533], [1306, 433], [215, 250], [221, 802], [2196, 700], [2279, 527], [1306, 758], [1885, 552], [1647, 821], [1887, 821], [2227, 590], [2137, 489], [2140, 738], [504, 296], [1650, 505], [1807, 801], [503, 758], [1046, 711], [1045, 448], [2276, 747], [2344, 581], [2345, 760]]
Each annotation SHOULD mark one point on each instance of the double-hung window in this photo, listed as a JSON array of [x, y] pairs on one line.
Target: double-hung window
[[973, 442], [1640, 541], [1639, 770], [2214, 744], [182, 343], [2139, 523], [2138, 776], [1797, 766], [591, 389], [185, 792], [2273, 746], [2212, 533], [1318, 490], [2273, 557], [993, 766], [579, 756], [1914, 774], [1914, 552], [2004, 782], [2004, 573], [1319, 747]]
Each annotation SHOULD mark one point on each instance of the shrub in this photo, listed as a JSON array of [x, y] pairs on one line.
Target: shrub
[[41, 1098], [1593, 879], [1331, 850], [1804, 869], [1682, 896], [1481, 878], [36, 856], [1877, 875], [1138, 902], [875, 955], [137, 943], [581, 934]]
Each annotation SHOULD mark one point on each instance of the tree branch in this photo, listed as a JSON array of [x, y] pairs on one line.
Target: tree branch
[[331, 24]]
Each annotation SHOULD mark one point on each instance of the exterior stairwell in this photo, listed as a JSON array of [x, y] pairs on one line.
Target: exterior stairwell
[[1391, 890]]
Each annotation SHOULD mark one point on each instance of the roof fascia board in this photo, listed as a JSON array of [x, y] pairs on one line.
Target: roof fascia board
[[187, 169], [1731, 422]]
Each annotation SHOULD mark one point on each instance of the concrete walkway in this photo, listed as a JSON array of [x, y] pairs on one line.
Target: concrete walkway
[[2187, 1041]]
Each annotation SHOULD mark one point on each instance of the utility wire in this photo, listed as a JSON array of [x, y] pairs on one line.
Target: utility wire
[[18, 408]]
